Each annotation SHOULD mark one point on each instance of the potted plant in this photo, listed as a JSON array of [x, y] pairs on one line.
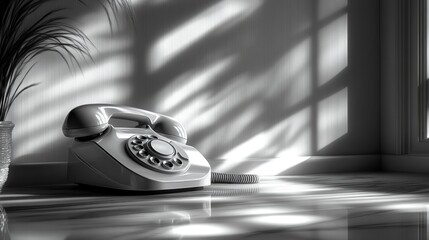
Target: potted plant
[[27, 30]]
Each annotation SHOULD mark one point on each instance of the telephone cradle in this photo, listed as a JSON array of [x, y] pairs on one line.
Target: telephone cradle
[[150, 157]]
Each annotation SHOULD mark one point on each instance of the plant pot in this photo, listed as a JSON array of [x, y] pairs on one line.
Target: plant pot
[[6, 128], [4, 228]]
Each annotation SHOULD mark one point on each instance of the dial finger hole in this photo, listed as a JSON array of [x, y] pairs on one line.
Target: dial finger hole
[[178, 162], [167, 165], [142, 153], [141, 137], [138, 147], [136, 142], [154, 160]]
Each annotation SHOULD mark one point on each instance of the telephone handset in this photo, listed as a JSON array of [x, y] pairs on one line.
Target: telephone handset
[[151, 156], [92, 119]]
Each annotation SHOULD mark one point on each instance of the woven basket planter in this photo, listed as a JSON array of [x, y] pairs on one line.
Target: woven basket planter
[[6, 128]]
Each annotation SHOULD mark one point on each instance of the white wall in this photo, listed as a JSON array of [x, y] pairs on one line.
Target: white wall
[[247, 78]]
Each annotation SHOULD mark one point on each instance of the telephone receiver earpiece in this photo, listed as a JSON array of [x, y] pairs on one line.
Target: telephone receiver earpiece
[[93, 119]]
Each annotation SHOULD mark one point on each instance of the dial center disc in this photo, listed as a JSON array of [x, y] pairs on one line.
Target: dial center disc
[[161, 147]]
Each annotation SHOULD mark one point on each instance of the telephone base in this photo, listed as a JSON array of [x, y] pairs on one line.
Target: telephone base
[[90, 164]]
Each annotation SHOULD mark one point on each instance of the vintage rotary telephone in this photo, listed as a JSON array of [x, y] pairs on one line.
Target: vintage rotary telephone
[[149, 157]]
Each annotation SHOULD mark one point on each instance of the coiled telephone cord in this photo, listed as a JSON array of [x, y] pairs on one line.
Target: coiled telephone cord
[[234, 178]]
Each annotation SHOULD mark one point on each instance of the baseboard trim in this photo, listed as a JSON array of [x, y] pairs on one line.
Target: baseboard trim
[[51, 173], [405, 163]]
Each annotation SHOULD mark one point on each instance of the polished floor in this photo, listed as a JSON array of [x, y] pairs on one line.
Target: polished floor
[[344, 206]]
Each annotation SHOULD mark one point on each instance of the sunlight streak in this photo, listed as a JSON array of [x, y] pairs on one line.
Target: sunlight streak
[[332, 121], [229, 130], [43, 109], [191, 83], [204, 230], [211, 115], [40, 126], [191, 109], [184, 36], [135, 3], [234, 212], [206, 103], [255, 145], [96, 27], [278, 165], [90, 78], [138, 3], [406, 207], [290, 80], [329, 7], [427, 45], [291, 74], [287, 220], [333, 49]]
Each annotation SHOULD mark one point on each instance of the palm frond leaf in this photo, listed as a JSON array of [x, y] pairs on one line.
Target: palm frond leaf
[[21, 41]]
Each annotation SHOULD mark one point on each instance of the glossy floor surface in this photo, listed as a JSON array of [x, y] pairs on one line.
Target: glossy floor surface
[[346, 206]]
